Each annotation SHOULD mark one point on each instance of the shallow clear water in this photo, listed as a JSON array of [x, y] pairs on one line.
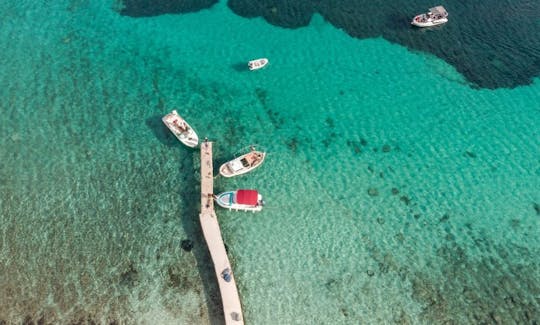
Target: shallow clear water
[[395, 192]]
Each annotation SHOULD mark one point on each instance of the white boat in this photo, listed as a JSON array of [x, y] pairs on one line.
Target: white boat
[[257, 64], [181, 129], [435, 16], [243, 164], [245, 200]]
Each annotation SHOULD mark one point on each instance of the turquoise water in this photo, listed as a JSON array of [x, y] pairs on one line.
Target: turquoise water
[[396, 193]]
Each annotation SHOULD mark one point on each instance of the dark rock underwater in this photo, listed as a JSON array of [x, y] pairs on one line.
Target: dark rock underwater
[[493, 44]]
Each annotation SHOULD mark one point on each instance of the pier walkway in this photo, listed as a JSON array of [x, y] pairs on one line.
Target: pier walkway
[[212, 234]]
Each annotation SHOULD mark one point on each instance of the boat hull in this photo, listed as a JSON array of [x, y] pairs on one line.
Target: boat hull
[[257, 64], [227, 200], [242, 164], [181, 129], [428, 23]]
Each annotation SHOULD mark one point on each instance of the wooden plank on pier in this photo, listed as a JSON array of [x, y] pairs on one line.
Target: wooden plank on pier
[[212, 234]]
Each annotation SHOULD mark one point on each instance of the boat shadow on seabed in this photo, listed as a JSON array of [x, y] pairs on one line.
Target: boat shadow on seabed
[[240, 66]]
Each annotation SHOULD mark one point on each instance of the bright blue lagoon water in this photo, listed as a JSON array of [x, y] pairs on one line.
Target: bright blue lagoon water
[[396, 192]]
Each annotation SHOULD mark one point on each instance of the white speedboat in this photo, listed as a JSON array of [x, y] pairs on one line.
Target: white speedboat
[[245, 200], [257, 64], [243, 164], [435, 16], [181, 129]]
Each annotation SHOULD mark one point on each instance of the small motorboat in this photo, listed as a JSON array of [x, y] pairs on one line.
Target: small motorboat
[[257, 64], [243, 164], [245, 200], [435, 16], [181, 129]]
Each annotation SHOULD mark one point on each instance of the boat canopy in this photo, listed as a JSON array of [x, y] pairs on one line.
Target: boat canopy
[[249, 197], [439, 10], [235, 165]]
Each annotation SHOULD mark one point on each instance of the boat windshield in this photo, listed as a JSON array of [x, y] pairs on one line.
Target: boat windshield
[[235, 166], [245, 162]]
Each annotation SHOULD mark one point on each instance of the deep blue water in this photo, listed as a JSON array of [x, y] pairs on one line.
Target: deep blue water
[[492, 43]]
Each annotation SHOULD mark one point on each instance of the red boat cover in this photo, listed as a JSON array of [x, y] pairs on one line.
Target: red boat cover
[[248, 197]]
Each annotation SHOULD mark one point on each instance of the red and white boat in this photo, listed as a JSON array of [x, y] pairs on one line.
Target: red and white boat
[[244, 200], [257, 64], [181, 129]]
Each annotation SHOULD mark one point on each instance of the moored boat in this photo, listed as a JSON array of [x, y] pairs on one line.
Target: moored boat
[[435, 16], [181, 129], [243, 164], [257, 64], [245, 200]]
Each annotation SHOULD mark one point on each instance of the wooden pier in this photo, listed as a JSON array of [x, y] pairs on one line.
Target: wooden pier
[[212, 234]]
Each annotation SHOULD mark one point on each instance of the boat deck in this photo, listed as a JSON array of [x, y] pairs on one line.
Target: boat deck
[[230, 298]]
